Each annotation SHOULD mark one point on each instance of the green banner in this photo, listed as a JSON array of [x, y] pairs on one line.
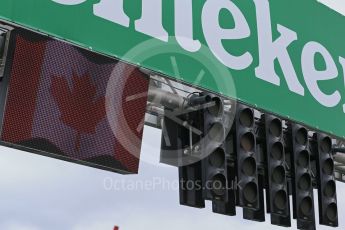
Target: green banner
[[283, 56]]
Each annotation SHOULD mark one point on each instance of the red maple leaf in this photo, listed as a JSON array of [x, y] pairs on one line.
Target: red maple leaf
[[80, 109]]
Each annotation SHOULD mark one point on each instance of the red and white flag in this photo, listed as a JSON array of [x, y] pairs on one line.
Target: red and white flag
[[56, 103]]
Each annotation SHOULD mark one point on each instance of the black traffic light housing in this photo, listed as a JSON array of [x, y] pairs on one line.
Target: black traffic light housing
[[246, 158], [302, 181], [218, 170], [277, 193], [177, 142], [326, 184], [215, 175], [214, 165], [227, 206], [256, 154]]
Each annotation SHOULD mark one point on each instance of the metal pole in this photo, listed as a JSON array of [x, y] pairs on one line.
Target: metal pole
[[340, 157], [166, 99]]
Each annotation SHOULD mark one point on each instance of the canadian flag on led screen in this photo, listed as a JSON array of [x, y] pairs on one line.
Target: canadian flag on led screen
[[56, 103]]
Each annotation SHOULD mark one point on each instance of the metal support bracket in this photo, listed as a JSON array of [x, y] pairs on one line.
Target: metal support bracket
[[5, 35]]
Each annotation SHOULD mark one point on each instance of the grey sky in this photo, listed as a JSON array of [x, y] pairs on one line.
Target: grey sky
[[39, 193]]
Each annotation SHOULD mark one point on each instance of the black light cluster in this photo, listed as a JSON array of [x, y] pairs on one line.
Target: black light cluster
[[301, 179], [277, 192], [215, 164], [326, 185], [252, 155]]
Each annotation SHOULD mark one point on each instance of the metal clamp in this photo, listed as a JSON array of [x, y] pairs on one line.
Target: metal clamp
[[5, 34]]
